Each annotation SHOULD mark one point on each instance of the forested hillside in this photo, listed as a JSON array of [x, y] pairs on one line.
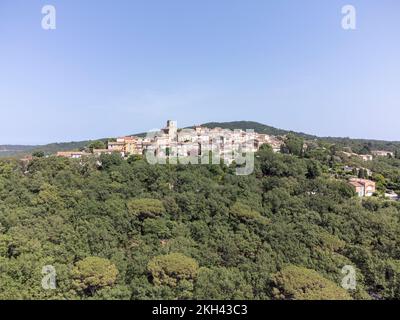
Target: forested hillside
[[357, 145], [244, 125], [129, 230]]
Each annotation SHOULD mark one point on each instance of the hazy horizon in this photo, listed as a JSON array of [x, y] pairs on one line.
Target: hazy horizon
[[185, 126], [112, 68]]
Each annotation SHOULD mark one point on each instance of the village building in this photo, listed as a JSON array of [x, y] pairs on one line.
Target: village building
[[189, 141], [363, 187], [364, 157], [116, 146], [197, 141], [26, 159], [72, 154], [391, 195], [382, 153], [98, 152]]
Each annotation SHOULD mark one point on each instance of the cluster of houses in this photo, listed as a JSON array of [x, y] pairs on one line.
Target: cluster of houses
[[72, 154], [382, 153], [369, 157], [365, 187], [190, 141], [185, 142], [198, 140]]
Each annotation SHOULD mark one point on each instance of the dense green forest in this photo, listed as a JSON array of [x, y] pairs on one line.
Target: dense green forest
[[125, 229]]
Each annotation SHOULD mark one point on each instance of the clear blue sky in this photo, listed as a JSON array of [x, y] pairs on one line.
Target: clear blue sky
[[119, 67]]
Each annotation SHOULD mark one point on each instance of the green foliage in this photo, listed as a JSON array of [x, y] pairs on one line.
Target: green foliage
[[145, 208], [38, 154], [313, 169], [109, 160], [245, 213], [194, 232], [172, 269], [222, 283], [293, 145], [380, 181], [99, 144], [157, 227], [92, 274], [296, 283]]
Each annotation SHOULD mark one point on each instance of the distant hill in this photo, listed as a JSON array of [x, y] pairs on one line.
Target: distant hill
[[64, 146], [357, 145], [363, 145], [20, 151], [9, 150], [256, 126]]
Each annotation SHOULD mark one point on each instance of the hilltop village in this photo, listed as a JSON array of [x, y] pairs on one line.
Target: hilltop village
[[172, 141], [185, 142], [190, 146]]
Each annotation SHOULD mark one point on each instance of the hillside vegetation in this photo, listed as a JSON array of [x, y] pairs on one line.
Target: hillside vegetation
[[129, 230], [244, 125]]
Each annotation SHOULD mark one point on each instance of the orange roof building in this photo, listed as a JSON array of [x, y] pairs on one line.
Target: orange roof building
[[363, 187]]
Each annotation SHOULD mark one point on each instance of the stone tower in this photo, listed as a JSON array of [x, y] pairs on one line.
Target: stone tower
[[172, 129]]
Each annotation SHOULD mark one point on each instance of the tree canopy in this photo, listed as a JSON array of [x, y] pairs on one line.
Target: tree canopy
[[124, 229], [298, 283], [93, 273]]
